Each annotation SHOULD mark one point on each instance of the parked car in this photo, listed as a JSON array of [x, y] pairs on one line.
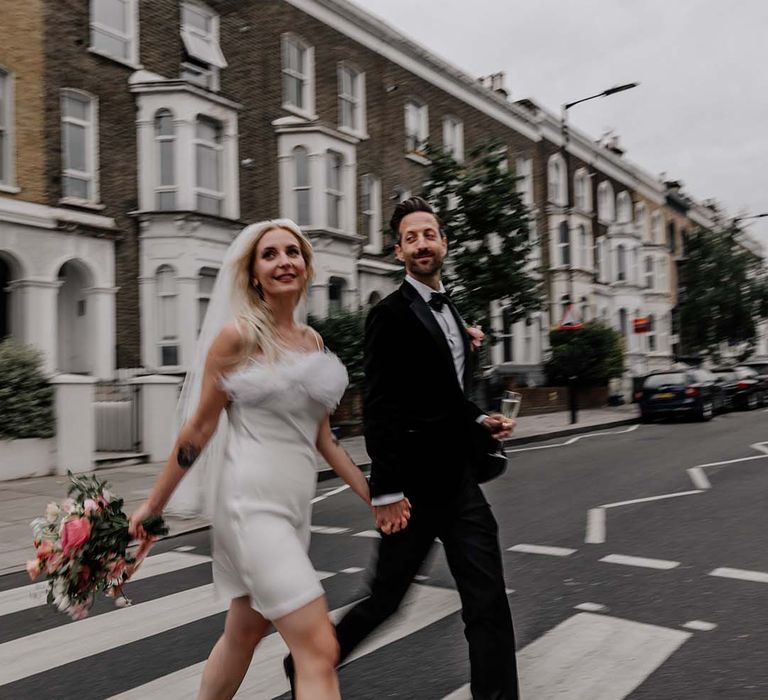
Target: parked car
[[692, 392], [743, 386]]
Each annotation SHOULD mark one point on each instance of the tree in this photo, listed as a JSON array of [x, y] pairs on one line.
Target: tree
[[589, 356], [488, 230], [343, 335], [724, 293]]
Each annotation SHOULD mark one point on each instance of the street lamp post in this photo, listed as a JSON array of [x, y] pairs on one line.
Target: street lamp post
[[569, 208]]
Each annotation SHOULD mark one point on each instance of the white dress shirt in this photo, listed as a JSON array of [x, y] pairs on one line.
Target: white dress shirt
[[447, 322]]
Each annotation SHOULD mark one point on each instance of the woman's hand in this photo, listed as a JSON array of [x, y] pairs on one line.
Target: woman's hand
[[135, 522]]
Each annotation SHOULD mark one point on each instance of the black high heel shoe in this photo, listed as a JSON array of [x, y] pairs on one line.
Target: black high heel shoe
[[290, 673]]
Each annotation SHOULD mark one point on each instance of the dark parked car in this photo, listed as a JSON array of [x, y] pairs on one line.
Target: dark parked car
[[743, 386], [692, 392]]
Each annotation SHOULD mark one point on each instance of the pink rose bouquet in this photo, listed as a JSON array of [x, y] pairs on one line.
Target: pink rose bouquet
[[81, 546]]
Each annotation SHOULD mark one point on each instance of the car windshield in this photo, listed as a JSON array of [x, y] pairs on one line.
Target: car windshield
[[743, 372], [656, 380], [725, 374]]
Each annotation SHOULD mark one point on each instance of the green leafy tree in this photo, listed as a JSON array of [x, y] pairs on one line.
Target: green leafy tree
[[488, 230], [589, 356], [26, 397], [343, 335], [724, 293]]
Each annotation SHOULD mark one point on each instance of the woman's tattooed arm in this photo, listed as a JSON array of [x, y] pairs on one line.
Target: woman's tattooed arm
[[187, 455]]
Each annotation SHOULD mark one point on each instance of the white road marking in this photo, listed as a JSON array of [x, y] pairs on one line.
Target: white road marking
[[591, 656], [326, 530], [742, 574], [368, 533], [420, 577], [700, 626], [591, 607], [542, 549], [185, 548], [699, 478], [333, 492], [595, 526], [423, 606], [352, 570], [509, 591], [596, 520], [34, 595], [573, 440], [322, 575], [644, 562], [648, 499], [43, 651]]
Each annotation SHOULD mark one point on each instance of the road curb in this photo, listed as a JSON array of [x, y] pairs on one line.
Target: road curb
[[576, 430]]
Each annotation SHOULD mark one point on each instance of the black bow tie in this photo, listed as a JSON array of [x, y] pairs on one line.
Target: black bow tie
[[437, 300]]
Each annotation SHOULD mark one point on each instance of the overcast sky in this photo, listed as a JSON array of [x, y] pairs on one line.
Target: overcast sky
[[700, 114]]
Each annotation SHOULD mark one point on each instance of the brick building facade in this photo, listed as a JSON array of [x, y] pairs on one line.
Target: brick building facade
[[149, 132]]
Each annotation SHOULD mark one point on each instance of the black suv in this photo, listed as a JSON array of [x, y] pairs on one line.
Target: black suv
[[692, 392], [743, 386]]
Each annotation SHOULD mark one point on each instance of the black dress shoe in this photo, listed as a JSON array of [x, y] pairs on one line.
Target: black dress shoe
[[290, 673]]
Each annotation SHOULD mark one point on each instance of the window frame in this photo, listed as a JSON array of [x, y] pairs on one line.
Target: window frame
[[453, 137], [334, 196], [90, 143], [130, 36], [624, 207], [7, 132], [355, 98], [163, 341], [306, 79], [159, 139], [416, 142], [606, 206], [218, 148], [204, 273], [556, 181], [581, 191], [372, 214], [299, 189], [621, 263], [207, 63], [565, 252]]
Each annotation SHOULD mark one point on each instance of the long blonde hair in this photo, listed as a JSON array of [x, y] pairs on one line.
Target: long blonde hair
[[253, 315]]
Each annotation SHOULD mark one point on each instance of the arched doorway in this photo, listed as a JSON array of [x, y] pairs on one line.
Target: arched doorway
[[75, 345], [336, 291], [10, 317], [373, 299]]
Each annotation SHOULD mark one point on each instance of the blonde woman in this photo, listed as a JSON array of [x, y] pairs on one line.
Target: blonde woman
[[253, 411]]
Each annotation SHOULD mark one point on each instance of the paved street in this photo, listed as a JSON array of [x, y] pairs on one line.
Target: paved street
[[635, 561]]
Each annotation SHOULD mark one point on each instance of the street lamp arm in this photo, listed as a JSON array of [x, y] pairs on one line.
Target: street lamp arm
[[604, 93]]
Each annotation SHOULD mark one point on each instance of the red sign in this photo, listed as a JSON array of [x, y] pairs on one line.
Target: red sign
[[642, 324]]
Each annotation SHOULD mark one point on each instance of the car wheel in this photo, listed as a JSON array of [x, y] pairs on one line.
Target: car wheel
[[705, 412], [752, 401]]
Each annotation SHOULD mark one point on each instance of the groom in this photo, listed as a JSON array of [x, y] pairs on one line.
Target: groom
[[419, 434]]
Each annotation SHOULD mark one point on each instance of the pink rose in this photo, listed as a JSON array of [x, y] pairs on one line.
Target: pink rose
[[90, 506], [74, 534], [54, 562], [476, 336], [44, 549], [33, 568]]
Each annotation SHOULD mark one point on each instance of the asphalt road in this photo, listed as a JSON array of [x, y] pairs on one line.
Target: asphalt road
[[678, 610]]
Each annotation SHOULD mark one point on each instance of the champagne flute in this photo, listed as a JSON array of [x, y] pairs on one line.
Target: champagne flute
[[510, 404]]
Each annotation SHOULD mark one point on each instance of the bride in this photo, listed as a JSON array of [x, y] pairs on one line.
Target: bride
[[254, 410]]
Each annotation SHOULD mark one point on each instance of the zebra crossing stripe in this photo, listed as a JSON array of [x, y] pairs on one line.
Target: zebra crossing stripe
[[33, 595], [591, 656], [52, 648], [423, 606]]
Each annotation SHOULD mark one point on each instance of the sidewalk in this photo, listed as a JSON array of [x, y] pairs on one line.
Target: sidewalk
[[24, 499]]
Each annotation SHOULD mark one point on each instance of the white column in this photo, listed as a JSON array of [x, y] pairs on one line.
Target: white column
[[231, 170], [102, 334], [75, 422], [159, 396], [38, 303]]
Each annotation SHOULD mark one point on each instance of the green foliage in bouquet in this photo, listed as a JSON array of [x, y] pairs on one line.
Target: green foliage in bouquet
[[26, 397], [81, 545]]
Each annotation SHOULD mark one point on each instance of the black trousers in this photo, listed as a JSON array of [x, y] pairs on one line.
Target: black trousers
[[464, 523]]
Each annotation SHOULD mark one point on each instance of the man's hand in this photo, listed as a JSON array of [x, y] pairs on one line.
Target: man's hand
[[499, 426], [393, 517]]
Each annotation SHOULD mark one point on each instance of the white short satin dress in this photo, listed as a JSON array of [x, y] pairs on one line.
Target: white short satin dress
[[267, 481]]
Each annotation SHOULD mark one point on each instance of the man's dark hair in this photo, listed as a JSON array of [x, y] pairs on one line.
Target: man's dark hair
[[409, 206]]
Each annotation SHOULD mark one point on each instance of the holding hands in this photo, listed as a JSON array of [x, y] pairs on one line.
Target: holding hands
[[393, 517], [499, 426]]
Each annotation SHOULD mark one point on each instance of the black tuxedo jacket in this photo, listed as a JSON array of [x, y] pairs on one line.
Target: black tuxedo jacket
[[418, 421]]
